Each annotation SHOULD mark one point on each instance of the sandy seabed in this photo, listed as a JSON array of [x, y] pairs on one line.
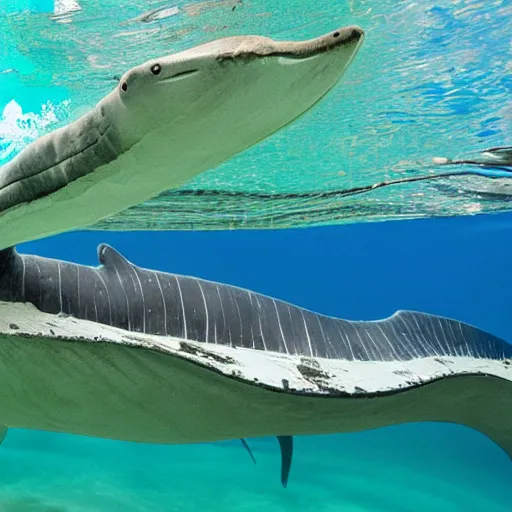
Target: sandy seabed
[[423, 467]]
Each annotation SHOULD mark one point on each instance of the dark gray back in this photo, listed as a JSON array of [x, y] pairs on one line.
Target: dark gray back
[[120, 294]]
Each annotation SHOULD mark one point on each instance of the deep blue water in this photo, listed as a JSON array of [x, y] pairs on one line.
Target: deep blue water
[[456, 267]]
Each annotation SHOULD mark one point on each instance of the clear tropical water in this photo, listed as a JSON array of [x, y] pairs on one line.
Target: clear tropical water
[[455, 267], [433, 79], [391, 470]]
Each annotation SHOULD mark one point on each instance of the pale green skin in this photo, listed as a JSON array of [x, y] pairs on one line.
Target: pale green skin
[[163, 131], [76, 376]]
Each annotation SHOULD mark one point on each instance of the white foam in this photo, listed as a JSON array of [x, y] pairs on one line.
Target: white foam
[[66, 6], [17, 129]]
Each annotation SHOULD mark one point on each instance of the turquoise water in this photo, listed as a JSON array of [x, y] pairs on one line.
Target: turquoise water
[[432, 79], [414, 467]]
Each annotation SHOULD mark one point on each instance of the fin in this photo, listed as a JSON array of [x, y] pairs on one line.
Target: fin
[[109, 257], [3, 433], [286, 445], [246, 446]]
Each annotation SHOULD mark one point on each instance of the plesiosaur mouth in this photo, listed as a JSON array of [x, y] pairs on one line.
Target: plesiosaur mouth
[[300, 49]]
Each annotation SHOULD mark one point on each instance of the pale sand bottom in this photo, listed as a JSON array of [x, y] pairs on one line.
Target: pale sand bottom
[[417, 468]]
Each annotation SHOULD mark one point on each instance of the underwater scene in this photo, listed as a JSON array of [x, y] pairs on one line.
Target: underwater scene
[[254, 255]]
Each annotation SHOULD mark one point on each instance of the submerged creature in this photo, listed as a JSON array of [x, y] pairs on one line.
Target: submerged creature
[[168, 120], [122, 352]]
